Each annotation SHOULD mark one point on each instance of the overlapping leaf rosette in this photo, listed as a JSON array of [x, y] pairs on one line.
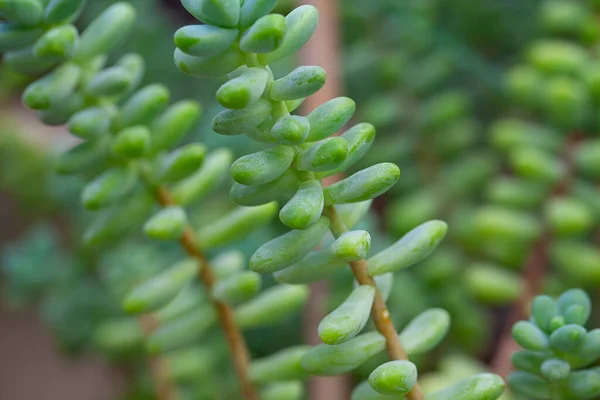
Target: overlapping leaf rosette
[[559, 355], [239, 40]]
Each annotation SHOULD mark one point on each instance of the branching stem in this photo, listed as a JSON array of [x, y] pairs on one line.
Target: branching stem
[[237, 344], [379, 311]]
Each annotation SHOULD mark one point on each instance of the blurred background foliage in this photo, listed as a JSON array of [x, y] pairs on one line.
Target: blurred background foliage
[[448, 84]]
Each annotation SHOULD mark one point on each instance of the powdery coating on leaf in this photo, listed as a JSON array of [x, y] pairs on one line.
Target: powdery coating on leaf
[[339, 359], [410, 249], [288, 248], [425, 332], [346, 321]]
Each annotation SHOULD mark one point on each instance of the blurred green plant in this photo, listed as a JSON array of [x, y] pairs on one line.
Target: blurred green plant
[[559, 352]]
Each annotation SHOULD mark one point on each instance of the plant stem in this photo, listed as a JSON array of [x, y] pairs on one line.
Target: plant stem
[[237, 344], [379, 311], [164, 388]]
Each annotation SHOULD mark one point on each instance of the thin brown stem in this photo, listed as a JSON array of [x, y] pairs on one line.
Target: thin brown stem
[[379, 311], [237, 344], [164, 388]]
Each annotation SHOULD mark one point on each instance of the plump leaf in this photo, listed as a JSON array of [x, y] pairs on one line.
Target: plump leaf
[[352, 246], [161, 289], [425, 332], [274, 305], [106, 32], [167, 224], [330, 117], [181, 331], [281, 366], [204, 40], [215, 12], [265, 35], [205, 180], [243, 90], [237, 287], [346, 321], [316, 266], [235, 225], [410, 249], [301, 23], [394, 377], [264, 166], [364, 185], [339, 359], [288, 248], [300, 83], [305, 208], [479, 387]]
